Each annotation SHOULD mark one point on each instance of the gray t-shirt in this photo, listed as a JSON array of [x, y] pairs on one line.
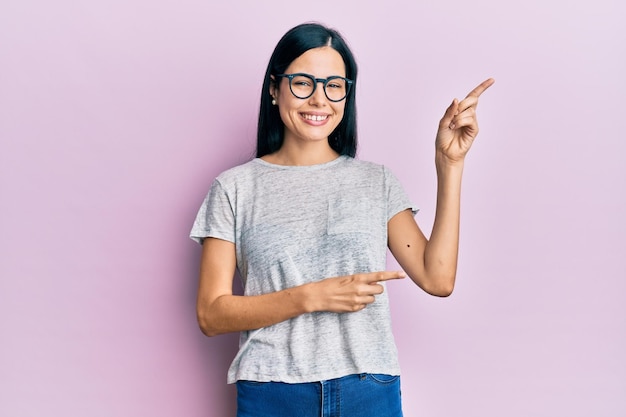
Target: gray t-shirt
[[296, 224]]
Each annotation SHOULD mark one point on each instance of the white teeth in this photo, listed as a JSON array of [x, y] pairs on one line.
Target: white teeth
[[314, 117]]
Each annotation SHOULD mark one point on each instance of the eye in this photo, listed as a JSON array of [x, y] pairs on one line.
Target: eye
[[336, 83], [301, 81]]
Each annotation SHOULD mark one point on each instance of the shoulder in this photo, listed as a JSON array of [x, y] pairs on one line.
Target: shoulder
[[238, 173], [363, 165], [367, 168], [375, 173]]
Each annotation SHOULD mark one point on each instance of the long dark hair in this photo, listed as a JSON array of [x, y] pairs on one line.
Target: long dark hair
[[295, 42]]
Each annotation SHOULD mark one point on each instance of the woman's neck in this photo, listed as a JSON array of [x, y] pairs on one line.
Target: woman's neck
[[302, 154]]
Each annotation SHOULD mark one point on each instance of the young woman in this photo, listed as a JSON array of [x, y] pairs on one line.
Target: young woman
[[308, 226]]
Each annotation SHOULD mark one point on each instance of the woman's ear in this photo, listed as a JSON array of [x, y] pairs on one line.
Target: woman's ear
[[272, 87]]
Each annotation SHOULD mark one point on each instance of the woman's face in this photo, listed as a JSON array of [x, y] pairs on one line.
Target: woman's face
[[313, 118]]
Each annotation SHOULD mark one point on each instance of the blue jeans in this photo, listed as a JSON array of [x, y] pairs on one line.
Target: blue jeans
[[362, 395]]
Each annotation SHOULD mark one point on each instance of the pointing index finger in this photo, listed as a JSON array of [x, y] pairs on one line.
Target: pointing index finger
[[481, 88], [385, 276]]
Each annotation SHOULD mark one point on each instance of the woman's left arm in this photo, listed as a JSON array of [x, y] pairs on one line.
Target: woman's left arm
[[431, 263]]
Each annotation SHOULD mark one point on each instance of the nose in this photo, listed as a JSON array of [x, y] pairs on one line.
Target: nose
[[319, 96]]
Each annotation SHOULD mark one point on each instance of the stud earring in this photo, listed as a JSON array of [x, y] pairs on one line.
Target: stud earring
[[273, 102]]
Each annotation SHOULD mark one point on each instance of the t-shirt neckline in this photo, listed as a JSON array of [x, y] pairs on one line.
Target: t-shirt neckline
[[323, 165]]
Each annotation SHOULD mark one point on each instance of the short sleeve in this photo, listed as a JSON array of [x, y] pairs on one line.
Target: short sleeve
[[216, 217], [397, 200]]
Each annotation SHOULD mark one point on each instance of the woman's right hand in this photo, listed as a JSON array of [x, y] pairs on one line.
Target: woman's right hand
[[348, 293]]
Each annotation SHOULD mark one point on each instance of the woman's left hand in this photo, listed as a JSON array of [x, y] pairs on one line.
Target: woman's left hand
[[458, 126]]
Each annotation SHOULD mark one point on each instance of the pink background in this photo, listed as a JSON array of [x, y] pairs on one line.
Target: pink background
[[115, 116]]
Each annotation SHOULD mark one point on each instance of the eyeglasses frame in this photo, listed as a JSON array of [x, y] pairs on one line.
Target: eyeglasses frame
[[324, 81]]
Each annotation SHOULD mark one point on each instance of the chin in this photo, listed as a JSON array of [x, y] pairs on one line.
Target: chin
[[316, 138]]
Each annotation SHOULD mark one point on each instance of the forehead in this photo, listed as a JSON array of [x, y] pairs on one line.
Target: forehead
[[320, 62]]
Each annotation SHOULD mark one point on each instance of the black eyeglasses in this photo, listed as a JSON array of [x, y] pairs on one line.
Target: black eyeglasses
[[303, 86]]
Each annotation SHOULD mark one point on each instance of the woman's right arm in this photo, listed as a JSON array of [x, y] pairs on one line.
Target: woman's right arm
[[219, 311]]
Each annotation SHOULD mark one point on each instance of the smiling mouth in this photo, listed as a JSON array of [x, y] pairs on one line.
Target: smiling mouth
[[315, 117]]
